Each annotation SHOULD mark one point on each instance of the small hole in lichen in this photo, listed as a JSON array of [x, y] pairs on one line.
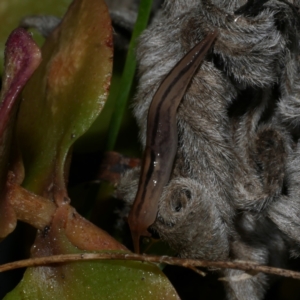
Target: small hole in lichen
[[188, 194], [178, 207]]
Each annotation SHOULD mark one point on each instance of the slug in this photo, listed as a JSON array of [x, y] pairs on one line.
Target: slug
[[162, 139]]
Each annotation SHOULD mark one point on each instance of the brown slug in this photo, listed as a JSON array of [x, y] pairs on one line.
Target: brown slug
[[162, 139]]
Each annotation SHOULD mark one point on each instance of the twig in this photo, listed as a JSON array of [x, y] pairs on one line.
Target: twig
[[190, 263]]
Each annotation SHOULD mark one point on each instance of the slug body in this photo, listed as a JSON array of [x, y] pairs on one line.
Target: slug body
[[162, 139]]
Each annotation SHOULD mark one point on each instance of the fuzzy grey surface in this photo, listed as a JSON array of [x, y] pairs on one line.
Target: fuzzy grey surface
[[45, 24], [234, 190]]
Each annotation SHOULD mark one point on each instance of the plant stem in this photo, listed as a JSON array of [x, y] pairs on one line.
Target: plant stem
[[30, 208]]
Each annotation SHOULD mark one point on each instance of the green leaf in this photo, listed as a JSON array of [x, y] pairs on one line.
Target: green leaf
[[94, 280], [87, 280], [65, 95]]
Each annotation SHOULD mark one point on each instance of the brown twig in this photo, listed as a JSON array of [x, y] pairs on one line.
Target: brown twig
[[190, 263]]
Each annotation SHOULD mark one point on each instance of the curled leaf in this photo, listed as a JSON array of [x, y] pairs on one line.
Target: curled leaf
[[13, 11], [22, 57]]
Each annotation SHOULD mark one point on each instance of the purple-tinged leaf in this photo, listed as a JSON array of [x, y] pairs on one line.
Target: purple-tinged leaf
[[22, 57]]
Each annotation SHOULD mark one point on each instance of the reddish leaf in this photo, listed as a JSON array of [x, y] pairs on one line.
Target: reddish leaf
[[22, 57]]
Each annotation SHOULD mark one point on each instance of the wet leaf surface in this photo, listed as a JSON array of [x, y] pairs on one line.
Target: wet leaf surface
[[88, 280]]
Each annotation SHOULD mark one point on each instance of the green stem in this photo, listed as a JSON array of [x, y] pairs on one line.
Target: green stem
[[128, 74]]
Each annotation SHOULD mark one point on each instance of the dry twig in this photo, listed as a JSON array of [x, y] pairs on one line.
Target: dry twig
[[246, 266]]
